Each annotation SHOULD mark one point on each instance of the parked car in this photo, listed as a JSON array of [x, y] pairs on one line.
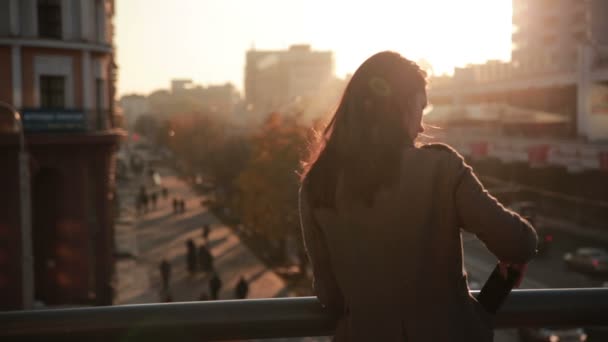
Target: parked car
[[588, 260], [552, 335]]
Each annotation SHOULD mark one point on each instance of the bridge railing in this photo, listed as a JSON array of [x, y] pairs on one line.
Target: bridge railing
[[268, 318]]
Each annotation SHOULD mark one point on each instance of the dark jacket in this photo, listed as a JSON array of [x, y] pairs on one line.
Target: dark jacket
[[394, 272]]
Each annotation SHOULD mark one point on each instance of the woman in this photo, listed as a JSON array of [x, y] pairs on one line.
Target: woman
[[381, 217]]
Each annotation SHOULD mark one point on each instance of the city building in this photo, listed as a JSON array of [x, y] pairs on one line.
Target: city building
[[547, 34], [57, 69], [559, 65], [277, 78], [133, 106]]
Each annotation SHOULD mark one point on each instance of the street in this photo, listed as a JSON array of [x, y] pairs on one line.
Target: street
[[160, 233]]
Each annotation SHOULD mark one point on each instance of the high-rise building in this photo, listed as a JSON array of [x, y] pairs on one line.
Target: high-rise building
[[276, 78], [559, 65], [57, 69], [547, 34]]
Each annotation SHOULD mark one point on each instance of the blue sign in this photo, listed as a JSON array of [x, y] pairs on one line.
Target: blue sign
[[53, 120]]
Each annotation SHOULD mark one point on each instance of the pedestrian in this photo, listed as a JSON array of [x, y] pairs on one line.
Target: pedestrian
[[215, 285], [144, 200], [206, 231], [165, 273], [205, 259], [153, 198], [142, 197], [165, 193], [175, 205], [191, 256], [242, 288], [402, 279], [138, 206]]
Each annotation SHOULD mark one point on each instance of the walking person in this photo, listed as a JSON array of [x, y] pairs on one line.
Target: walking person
[[382, 215], [142, 198], [153, 198], [206, 231], [175, 205], [191, 256], [165, 273], [215, 285], [205, 259], [242, 288]]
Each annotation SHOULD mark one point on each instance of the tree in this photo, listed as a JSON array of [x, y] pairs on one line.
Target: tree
[[268, 187]]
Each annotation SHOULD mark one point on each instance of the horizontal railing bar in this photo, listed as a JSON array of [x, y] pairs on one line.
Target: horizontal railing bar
[[269, 318]]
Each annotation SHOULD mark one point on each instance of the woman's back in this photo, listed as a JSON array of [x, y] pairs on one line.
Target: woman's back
[[395, 269]]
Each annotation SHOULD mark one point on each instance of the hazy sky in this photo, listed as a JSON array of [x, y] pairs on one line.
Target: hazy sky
[[206, 40]]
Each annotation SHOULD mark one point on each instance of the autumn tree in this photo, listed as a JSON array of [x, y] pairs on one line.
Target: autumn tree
[[268, 187]]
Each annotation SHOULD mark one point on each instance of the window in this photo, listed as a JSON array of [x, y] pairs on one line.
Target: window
[[52, 91], [49, 18]]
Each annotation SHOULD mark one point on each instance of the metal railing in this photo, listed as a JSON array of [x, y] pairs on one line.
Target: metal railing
[[269, 318]]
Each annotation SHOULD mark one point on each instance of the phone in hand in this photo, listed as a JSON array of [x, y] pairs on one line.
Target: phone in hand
[[497, 288]]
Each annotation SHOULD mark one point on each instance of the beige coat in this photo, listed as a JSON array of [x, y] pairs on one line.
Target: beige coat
[[394, 272]]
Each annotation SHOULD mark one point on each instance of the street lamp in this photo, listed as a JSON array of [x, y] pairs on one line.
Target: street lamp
[[10, 121]]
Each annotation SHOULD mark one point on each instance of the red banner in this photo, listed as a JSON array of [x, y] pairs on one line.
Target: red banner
[[603, 156], [538, 155], [479, 149]]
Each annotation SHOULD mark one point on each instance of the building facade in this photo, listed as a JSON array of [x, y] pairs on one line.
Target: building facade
[[547, 34], [57, 69], [559, 65], [277, 78]]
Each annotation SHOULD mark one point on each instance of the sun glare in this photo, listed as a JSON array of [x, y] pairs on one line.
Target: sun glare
[[445, 33]]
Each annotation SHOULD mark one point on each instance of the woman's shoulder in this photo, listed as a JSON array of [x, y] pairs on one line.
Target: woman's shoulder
[[441, 149]]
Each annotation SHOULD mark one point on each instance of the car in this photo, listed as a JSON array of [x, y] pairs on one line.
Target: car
[[552, 335], [588, 260]]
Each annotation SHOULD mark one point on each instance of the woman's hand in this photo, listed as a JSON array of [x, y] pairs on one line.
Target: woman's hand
[[521, 268]]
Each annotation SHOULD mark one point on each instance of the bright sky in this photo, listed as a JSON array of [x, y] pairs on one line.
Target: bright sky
[[206, 40]]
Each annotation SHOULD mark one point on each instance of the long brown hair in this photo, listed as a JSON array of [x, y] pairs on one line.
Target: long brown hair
[[364, 140]]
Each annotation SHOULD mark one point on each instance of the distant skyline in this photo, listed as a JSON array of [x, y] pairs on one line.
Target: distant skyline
[[206, 41]]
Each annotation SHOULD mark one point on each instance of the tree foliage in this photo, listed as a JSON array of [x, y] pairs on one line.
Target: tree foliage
[[268, 186]]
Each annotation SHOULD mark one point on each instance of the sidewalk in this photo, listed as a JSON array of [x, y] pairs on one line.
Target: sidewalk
[[160, 233]]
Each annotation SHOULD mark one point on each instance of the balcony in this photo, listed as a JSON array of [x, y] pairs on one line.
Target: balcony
[[269, 318], [65, 120]]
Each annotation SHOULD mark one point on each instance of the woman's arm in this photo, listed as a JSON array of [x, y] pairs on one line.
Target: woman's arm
[[324, 283], [506, 234]]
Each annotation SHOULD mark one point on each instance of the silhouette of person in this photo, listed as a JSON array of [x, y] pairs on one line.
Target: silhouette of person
[[191, 256], [165, 192], [143, 198], [215, 285], [389, 212], [175, 205], [205, 259], [153, 198], [206, 231], [165, 273], [242, 288], [145, 203]]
